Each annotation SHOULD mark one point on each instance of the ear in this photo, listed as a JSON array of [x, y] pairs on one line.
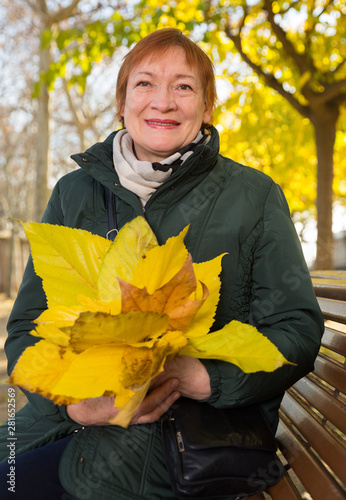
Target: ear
[[207, 114]]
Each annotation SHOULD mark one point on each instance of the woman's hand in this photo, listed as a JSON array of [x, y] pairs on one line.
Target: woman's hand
[[194, 381], [182, 376], [98, 411]]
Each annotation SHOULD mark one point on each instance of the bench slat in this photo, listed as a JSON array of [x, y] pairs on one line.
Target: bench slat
[[330, 288], [284, 489], [319, 397], [317, 481], [334, 340], [333, 309], [331, 372], [329, 274], [322, 441]]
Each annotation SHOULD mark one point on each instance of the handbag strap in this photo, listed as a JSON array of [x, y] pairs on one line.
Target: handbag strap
[[110, 202]]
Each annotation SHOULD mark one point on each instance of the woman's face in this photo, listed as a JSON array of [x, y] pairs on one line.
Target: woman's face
[[164, 106]]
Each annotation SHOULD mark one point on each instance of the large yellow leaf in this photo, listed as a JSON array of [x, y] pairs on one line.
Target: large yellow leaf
[[207, 273], [136, 371], [40, 368], [127, 410], [171, 343], [53, 334], [239, 344], [98, 328], [94, 372], [68, 261], [160, 264], [133, 241], [172, 298], [112, 369], [92, 305], [61, 316]]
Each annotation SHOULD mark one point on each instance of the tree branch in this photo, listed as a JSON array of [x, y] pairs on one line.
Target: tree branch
[[342, 98], [330, 2], [270, 79], [38, 6], [335, 90], [303, 62], [77, 117], [339, 66], [64, 13]]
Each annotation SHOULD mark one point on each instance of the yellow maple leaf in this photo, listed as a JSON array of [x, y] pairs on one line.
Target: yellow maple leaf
[[207, 275], [40, 367], [60, 316], [68, 261], [88, 304], [170, 344], [160, 264], [240, 344], [172, 299], [132, 242], [117, 311], [132, 328]]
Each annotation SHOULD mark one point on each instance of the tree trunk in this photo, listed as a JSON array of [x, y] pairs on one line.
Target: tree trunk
[[324, 119], [42, 145], [13, 262]]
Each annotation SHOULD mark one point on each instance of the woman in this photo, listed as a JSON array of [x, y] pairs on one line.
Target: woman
[[165, 164]]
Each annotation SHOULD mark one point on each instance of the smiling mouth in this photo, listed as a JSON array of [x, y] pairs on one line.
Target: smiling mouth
[[162, 123]]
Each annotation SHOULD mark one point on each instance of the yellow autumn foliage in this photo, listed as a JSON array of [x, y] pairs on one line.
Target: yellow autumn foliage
[[117, 311]]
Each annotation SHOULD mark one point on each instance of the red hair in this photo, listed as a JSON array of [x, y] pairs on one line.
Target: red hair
[[157, 43]]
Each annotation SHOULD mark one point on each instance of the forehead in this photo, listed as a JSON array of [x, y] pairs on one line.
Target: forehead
[[170, 61]]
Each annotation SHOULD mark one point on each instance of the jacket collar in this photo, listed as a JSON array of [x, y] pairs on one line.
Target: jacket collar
[[98, 161]]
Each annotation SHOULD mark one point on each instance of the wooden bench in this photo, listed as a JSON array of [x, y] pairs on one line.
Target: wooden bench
[[312, 430]]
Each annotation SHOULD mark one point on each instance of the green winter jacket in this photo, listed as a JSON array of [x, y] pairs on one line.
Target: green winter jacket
[[265, 282]]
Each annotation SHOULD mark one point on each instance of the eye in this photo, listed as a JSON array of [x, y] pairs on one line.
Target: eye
[[143, 83], [184, 86]]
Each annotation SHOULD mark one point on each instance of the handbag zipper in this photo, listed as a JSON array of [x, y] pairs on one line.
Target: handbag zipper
[[180, 442]]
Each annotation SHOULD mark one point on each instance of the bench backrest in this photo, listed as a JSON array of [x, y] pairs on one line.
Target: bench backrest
[[312, 430]]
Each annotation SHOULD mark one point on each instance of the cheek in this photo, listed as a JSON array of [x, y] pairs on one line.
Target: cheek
[[195, 110], [135, 104]]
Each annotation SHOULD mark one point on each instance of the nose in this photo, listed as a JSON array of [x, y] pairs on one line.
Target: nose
[[163, 99]]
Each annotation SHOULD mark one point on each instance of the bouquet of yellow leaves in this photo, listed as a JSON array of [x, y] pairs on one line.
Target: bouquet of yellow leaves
[[118, 310]]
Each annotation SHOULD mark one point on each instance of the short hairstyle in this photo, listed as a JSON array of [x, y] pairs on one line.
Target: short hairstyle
[[158, 43]]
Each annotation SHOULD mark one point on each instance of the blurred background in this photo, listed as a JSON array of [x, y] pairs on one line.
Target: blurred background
[[281, 78]]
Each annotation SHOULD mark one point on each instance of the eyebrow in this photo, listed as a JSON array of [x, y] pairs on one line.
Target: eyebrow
[[179, 75]]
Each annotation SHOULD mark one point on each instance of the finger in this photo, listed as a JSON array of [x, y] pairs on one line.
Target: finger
[[171, 369], [155, 399], [160, 409], [159, 380], [157, 395]]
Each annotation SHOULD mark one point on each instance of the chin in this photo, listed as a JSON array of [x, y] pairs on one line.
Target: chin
[[163, 152]]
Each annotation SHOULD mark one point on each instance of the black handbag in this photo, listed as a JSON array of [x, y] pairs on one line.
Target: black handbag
[[215, 453]]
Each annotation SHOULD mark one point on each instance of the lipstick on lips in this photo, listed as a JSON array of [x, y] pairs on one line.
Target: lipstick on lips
[[163, 124]]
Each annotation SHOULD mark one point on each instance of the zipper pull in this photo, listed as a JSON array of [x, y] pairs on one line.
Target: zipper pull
[[180, 442]]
